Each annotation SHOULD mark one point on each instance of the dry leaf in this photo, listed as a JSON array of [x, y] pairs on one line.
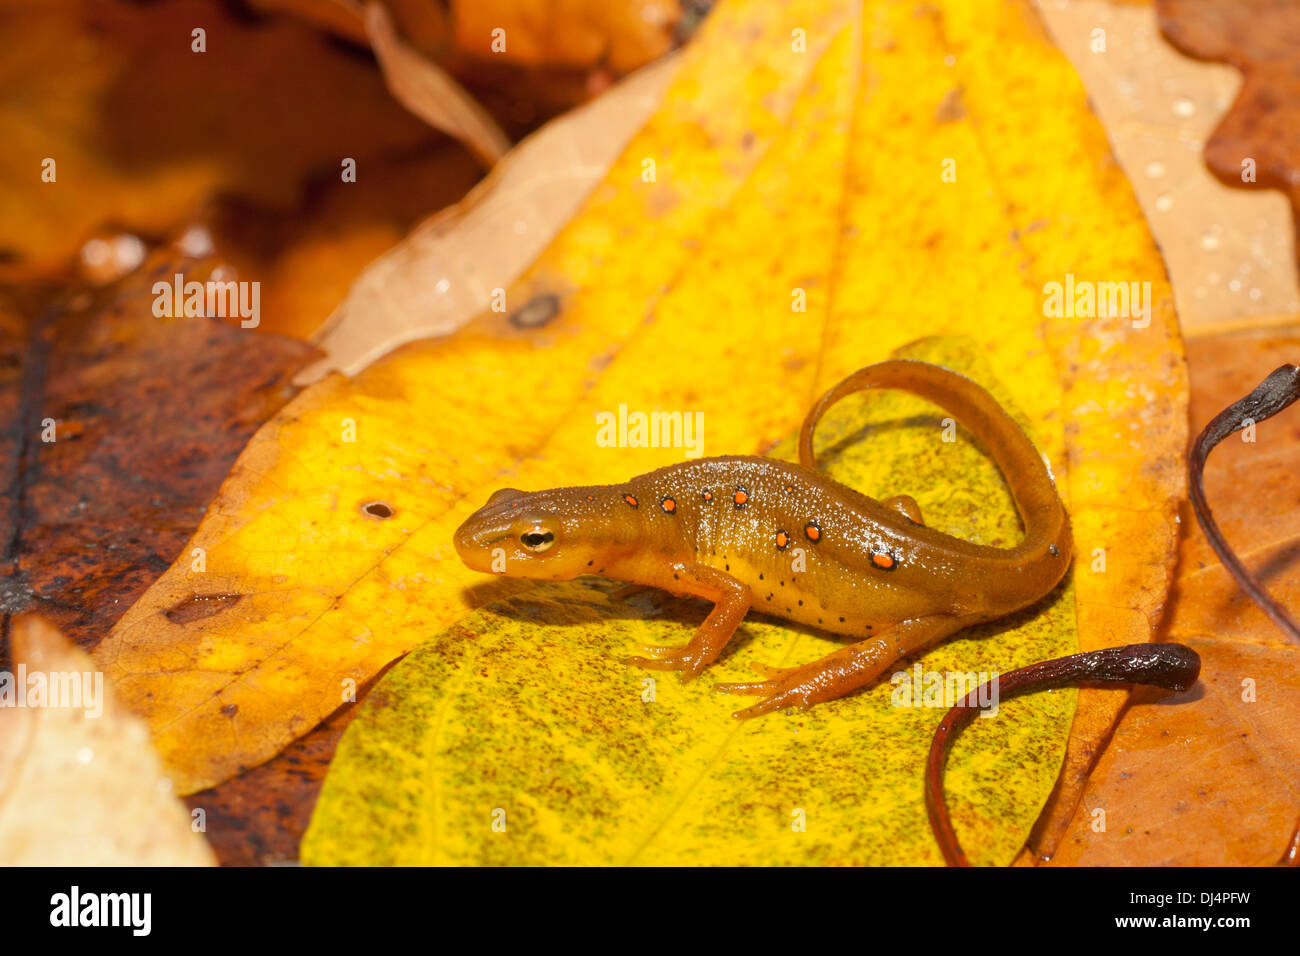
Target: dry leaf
[[444, 273], [1257, 144], [430, 93], [80, 784], [1228, 251]]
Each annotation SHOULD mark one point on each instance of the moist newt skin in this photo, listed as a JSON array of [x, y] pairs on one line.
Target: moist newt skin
[[729, 530]]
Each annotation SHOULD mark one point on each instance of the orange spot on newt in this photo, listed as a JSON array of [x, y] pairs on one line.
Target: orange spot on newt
[[812, 531], [882, 559], [741, 496], [631, 499], [668, 504], [782, 540]]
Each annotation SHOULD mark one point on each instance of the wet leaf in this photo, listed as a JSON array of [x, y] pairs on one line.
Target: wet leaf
[[583, 770]]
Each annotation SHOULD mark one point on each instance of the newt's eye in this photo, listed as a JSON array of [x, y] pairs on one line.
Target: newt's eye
[[537, 540]]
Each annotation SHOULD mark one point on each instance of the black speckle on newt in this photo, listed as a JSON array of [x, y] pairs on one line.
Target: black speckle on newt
[[724, 528]]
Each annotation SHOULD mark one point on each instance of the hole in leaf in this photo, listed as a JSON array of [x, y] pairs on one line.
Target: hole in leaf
[[198, 606]]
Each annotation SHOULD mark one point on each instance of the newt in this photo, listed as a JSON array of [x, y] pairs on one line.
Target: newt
[[726, 529]]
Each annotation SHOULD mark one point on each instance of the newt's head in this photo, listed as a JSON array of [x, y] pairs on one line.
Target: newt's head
[[557, 534]]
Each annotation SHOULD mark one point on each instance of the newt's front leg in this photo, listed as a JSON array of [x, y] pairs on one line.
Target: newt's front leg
[[843, 671], [731, 600]]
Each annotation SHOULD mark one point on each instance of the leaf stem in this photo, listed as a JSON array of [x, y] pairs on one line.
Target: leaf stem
[[1279, 390], [1172, 666]]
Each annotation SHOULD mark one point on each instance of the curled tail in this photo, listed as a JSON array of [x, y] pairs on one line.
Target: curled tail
[[1047, 527]]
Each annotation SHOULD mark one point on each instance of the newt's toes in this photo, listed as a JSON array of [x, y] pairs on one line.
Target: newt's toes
[[670, 659], [652, 663], [777, 694], [760, 687], [779, 701], [771, 674], [661, 651]]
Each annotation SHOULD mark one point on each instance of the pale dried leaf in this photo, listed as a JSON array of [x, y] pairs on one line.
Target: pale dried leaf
[[1230, 252], [444, 272], [81, 788], [430, 93]]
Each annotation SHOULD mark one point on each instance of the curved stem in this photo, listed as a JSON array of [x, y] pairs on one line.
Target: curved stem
[[1173, 666], [1279, 390]]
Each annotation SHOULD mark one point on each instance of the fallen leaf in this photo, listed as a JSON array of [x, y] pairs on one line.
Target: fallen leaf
[[1064, 209], [624, 34], [583, 770], [444, 273], [259, 817], [620, 34], [1260, 135], [758, 194], [1211, 777], [264, 108], [79, 783], [120, 428], [430, 93], [1226, 249]]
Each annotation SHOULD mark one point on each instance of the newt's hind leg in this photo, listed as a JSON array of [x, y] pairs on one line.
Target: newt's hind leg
[[846, 670]]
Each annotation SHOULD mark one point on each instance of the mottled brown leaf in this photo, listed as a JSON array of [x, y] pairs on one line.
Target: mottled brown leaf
[[1262, 39], [148, 415]]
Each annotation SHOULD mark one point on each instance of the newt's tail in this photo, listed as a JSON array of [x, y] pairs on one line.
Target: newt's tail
[[1047, 527]]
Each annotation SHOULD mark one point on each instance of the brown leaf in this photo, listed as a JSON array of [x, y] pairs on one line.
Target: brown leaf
[[430, 93], [1262, 39], [1227, 250], [1212, 776], [142, 129], [147, 417], [623, 33]]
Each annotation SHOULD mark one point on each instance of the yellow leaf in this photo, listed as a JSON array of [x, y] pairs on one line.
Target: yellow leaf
[[301, 591], [775, 172], [523, 715]]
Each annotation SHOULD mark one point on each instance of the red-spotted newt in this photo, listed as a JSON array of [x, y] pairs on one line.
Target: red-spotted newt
[[733, 530]]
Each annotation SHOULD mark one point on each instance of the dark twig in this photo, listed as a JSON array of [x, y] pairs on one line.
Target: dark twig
[[1275, 393], [1172, 666]]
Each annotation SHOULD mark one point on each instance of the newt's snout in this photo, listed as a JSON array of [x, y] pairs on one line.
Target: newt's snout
[[522, 534]]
